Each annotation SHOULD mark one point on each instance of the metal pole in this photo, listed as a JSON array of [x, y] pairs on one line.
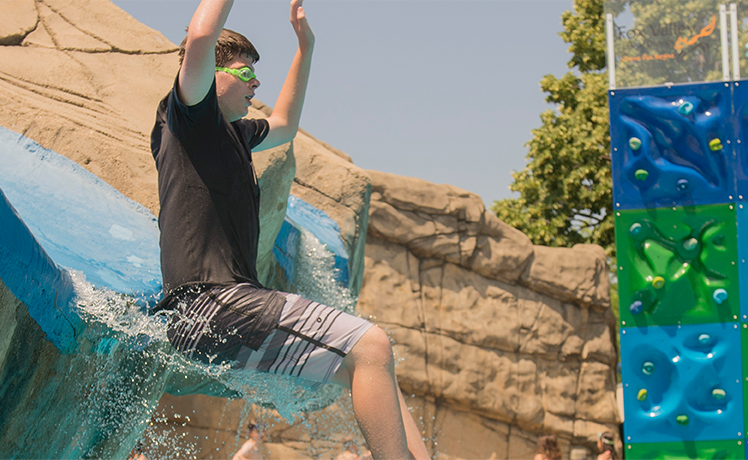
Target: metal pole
[[723, 37], [734, 39], [611, 51]]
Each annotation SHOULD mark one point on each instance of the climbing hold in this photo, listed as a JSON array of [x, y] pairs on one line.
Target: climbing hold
[[648, 368], [641, 174], [682, 185], [719, 296], [705, 339], [658, 282], [685, 108], [636, 307], [682, 419], [635, 143], [690, 244], [635, 228], [718, 394], [643, 395], [715, 144]]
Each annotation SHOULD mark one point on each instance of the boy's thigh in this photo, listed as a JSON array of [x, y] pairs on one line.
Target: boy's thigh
[[265, 330], [213, 325], [310, 341]]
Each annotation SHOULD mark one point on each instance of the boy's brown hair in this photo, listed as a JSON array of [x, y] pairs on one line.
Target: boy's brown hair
[[230, 45]]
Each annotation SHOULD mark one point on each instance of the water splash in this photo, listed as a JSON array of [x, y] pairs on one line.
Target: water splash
[[127, 363], [316, 276]]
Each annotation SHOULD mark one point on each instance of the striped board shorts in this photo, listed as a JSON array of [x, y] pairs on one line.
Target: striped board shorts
[[264, 330]]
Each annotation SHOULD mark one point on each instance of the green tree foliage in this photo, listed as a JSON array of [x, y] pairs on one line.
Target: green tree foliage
[[565, 189]]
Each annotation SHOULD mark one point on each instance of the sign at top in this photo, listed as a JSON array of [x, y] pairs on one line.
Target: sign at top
[[657, 42]]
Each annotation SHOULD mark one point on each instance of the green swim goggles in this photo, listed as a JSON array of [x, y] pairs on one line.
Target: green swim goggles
[[244, 74]]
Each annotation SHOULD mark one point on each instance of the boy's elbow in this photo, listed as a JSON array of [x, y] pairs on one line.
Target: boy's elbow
[[288, 135]]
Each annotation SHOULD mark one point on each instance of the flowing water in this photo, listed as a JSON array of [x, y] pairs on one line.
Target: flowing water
[[103, 397]]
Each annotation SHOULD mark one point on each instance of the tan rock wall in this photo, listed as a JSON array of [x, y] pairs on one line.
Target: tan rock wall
[[506, 340]]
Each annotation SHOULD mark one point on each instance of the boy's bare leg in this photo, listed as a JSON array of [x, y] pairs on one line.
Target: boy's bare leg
[[380, 410], [415, 441]]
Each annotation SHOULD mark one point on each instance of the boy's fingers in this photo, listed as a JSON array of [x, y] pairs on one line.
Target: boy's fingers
[[295, 6]]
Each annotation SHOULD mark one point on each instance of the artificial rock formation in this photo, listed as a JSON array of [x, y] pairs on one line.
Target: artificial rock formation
[[498, 341]]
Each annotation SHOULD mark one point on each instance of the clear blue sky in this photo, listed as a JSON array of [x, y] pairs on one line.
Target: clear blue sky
[[444, 90]]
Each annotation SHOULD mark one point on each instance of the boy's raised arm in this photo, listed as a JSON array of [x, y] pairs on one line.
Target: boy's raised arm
[[284, 121], [198, 67]]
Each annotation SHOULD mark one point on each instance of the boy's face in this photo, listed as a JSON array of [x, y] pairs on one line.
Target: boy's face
[[234, 95]]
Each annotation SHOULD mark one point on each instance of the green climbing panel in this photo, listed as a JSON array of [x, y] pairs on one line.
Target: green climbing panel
[[723, 450], [677, 265]]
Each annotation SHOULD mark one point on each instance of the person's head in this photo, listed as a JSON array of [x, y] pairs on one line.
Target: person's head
[[229, 46], [256, 431], [606, 443], [235, 89], [548, 446]]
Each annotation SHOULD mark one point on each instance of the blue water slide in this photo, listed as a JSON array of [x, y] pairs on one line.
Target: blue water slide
[[81, 221], [63, 214], [301, 216]]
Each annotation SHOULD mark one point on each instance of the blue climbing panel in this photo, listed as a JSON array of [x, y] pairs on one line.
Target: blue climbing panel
[[740, 121], [682, 383], [672, 145]]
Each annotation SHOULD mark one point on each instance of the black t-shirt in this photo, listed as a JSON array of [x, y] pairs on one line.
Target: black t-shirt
[[208, 191]]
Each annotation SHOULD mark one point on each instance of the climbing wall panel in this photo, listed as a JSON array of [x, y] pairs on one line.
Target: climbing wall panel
[[677, 265], [672, 145], [742, 232], [682, 383], [740, 121], [726, 450], [680, 187]]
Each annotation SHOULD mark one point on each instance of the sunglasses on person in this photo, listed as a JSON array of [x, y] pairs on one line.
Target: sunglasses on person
[[243, 74]]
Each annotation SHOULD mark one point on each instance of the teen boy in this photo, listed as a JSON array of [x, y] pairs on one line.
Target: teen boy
[[209, 224]]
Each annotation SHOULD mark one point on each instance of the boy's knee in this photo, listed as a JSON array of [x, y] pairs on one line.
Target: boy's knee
[[374, 346]]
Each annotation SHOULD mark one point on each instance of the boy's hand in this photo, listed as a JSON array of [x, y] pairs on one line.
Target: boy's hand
[[301, 26]]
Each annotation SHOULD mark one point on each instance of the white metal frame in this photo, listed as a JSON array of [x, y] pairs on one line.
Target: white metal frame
[[723, 42], [726, 50], [609, 36], [734, 39]]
